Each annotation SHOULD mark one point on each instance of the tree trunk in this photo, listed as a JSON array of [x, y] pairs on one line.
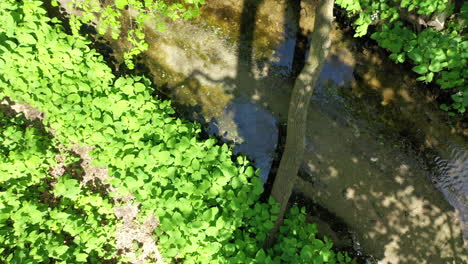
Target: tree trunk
[[297, 114]]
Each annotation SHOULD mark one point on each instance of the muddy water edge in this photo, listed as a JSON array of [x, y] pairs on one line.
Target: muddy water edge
[[383, 174]]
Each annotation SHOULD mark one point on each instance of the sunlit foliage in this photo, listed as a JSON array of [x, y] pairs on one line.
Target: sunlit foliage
[[437, 55]]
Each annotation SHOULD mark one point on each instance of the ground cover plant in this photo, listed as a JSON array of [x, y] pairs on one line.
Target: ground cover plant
[[438, 48], [206, 202], [39, 223]]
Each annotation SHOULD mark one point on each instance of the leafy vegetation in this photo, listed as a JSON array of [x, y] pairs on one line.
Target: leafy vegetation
[[368, 11], [149, 13], [37, 223], [438, 56], [207, 203]]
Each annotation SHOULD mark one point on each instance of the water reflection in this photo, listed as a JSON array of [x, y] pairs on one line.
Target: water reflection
[[251, 129]]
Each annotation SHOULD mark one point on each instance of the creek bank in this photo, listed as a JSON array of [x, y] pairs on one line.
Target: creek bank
[[359, 162]]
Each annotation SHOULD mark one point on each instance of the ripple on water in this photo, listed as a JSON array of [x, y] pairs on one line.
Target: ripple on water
[[451, 177]]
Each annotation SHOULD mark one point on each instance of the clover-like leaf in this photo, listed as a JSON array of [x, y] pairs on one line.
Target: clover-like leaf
[[67, 187]]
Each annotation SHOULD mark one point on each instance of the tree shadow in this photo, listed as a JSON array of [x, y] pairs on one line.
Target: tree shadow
[[393, 212]]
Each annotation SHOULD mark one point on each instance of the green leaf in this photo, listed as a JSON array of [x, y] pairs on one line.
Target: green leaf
[[326, 254], [401, 58], [163, 157], [82, 257], [68, 188], [260, 256], [119, 108], [457, 98], [444, 107], [26, 39], [211, 231], [120, 4], [249, 172], [59, 251], [139, 87], [210, 214], [257, 186], [128, 89], [75, 98], [435, 66], [421, 69], [268, 225], [429, 77], [307, 253]]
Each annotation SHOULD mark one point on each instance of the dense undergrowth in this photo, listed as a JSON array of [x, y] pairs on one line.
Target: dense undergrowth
[[438, 55], [207, 203], [39, 224]]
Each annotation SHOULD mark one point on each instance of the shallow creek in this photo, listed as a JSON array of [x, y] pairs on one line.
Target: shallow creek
[[380, 156]]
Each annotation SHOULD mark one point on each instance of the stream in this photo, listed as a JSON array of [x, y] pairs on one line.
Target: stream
[[380, 156]]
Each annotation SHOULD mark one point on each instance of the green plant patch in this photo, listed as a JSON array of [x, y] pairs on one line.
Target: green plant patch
[[368, 12], [43, 219], [437, 56]]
